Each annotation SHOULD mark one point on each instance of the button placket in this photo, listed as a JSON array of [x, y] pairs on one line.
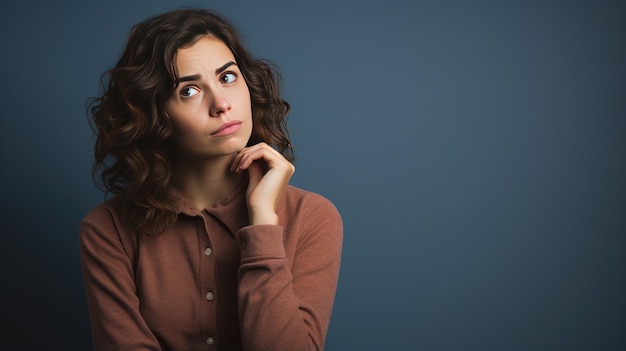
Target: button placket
[[207, 282]]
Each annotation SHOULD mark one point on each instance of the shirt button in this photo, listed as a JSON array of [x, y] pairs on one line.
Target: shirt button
[[210, 340], [208, 251], [209, 296]]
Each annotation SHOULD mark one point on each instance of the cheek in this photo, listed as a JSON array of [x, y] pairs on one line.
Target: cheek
[[246, 100], [184, 128], [184, 119], [244, 95]]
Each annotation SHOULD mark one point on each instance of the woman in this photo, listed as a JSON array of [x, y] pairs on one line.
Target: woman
[[204, 246]]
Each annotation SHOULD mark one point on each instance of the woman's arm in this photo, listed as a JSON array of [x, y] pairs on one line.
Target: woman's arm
[[283, 306], [116, 321]]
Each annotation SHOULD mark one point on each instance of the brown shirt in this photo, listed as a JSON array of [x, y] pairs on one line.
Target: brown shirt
[[212, 282]]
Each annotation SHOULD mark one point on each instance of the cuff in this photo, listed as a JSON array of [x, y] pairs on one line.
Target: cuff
[[261, 240]]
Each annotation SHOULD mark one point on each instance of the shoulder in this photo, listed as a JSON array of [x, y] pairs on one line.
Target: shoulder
[[103, 219], [103, 233], [308, 209], [299, 199], [312, 221], [104, 212]]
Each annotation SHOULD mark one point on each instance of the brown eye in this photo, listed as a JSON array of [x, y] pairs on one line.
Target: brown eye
[[188, 92], [228, 77]]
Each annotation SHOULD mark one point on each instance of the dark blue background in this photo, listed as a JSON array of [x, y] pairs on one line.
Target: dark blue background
[[476, 150]]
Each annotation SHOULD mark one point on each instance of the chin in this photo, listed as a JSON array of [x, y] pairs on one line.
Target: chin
[[233, 146]]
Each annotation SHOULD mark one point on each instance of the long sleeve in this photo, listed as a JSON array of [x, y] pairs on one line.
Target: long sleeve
[[212, 282], [116, 320], [286, 303]]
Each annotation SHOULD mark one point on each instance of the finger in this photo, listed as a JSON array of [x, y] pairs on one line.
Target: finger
[[235, 163], [234, 166], [266, 153], [238, 157], [248, 158]]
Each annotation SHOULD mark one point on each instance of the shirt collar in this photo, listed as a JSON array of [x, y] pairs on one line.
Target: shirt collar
[[231, 210]]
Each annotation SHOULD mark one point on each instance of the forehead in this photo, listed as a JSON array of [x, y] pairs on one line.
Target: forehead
[[206, 51]]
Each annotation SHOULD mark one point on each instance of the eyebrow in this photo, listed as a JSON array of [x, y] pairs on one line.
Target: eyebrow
[[224, 67], [197, 76]]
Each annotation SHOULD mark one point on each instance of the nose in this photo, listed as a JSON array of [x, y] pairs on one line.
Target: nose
[[218, 105]]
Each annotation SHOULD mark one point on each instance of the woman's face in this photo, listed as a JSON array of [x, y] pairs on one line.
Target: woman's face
[[210, 108]]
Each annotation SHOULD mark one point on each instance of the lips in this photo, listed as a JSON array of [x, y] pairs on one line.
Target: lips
[[227, 128]]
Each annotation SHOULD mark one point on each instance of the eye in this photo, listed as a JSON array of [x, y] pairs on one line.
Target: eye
[[188, 92], [228, 77]]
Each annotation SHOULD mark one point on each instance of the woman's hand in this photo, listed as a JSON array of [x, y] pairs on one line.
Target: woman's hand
[[269, 173]]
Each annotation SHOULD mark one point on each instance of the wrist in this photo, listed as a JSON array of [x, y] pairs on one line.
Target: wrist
[[263, 217]]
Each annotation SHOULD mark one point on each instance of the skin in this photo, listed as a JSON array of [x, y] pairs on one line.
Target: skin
[[212, 93]]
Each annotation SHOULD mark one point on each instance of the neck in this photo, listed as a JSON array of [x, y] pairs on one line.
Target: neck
[[204, 182]]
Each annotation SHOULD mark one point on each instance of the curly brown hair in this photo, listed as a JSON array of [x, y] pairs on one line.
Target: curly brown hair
[[133, 149]]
